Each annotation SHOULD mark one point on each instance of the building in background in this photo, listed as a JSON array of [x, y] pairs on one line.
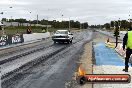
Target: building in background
[[22, 24]]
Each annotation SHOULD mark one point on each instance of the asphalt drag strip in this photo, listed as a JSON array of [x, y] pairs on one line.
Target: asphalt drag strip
[[51, 73]]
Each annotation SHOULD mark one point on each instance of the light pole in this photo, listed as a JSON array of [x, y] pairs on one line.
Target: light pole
[[114, 24], [119, 24], [37, 19], [11, 16], [1, 14], [69, 24], [47, 19], [110, 25], [62, 17], [62, 20], [11, 20], [2, 24], [80, 25], [129, 18], [30, 19], [47, 23]]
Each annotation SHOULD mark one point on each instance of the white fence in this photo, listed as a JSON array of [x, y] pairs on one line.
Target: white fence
[[35, 36], [122, 33]]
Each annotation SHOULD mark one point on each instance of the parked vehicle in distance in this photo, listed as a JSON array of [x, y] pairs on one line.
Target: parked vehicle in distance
[[62, 36]]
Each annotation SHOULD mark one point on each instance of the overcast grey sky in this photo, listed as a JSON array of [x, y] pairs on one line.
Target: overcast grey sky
[[92, 11]]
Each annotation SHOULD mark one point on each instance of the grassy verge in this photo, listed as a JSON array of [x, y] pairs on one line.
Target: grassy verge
[[23, 29]]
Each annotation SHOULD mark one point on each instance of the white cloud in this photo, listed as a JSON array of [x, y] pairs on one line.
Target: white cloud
[[92, 11], [12, 2]]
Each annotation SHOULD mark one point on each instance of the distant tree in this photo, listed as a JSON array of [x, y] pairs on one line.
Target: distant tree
[[34, 22], [124, 24], [107, 26], [85, 25], [21, 21], [116, 34], [4, 19], [112, 24], [93, 26], [44, 22], [54, 23]]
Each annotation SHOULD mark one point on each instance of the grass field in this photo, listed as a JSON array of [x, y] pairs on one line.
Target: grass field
[[23, 30]]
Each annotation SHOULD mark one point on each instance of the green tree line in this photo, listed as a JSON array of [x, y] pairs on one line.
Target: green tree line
[[54, 23], [123, 24]]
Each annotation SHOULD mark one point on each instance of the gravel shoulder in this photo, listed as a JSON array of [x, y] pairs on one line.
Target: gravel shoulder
[[109, 69], [86, 58], [86, 61]]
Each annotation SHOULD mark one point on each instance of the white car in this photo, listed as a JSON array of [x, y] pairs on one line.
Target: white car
[[62, 36]]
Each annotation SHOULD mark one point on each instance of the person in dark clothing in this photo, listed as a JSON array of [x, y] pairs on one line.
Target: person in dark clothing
[[127, 42], [29, 31], [116, 34]]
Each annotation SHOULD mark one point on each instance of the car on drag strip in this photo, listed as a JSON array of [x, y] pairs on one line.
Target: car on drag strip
[[62, 36]]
